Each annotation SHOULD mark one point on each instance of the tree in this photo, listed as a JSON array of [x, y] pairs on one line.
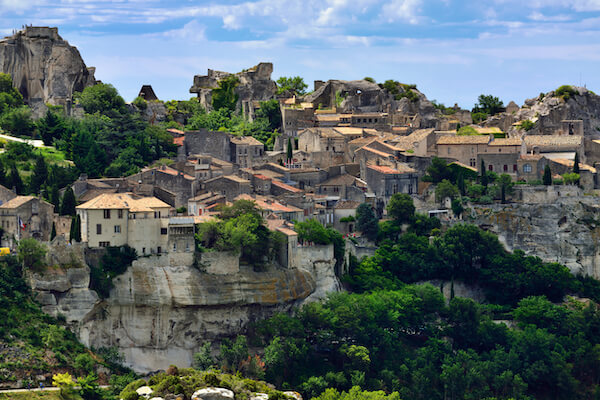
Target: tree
[[203, 359], [53, 233], [40, 175], [294, 85], [102, 98], [460, 183], [271, 112], [488, 104], [89, 388], [9, 95], [401, 208], [312, 231], [289, 153], [68, 204], [446, 189], [547, 179], [366, 221], [484, 176], [439, 170], [457, 207], [31, 253], [65, 383], [506, 184], [14, 180], [51, 127], [18, 121], [576, 163], [232, 354], [75, 232], [54, 197], [225, 96]]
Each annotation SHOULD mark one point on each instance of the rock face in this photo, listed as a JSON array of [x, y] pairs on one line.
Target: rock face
[[548, 111], [43, 66], [160, 315], [566, 231], [254, 85]]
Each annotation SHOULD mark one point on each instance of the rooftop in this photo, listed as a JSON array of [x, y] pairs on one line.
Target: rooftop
[[400, 169], [553, 140], [467, 139], [506, 142], [346, 205], [247, 140], [124, 201], [570, 163], [340, 180], [282, 185], [17, 202]]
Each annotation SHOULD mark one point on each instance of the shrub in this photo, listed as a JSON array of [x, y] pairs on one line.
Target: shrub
[[140, 103], [527, 124], [565, 92], [466, 130], [31, 253]]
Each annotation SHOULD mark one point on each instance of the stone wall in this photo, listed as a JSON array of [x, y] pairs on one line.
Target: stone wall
[[538, 194], [220, 263], [216, 144]]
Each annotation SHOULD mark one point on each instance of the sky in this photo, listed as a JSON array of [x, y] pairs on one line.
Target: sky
[[452, 50]]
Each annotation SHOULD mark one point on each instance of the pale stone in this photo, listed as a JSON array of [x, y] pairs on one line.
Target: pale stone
[[145, 391], [212, 393], [295, 395], [259, 396]]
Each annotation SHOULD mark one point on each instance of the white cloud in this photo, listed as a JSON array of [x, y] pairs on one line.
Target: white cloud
[[402, 10], [192, 31]]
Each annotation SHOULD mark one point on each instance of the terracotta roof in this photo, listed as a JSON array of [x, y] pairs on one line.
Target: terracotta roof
[[327, 117], [282, 185], [268, 204], [400, 169], [362, 140], [349, 130], [374, 151], [262, 177], [247, 140], [487, 130], [287, 231], [467, 139], [125, 201], [173, 172], [179, 140], [233, 178], [17, 202], [176, 131], [532, 157]]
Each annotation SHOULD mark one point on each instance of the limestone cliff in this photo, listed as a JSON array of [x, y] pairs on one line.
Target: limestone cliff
[[43, 66], [566, 231], [159, 314]]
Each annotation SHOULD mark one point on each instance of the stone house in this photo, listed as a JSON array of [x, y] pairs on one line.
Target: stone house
[[503, 163], [463, 149], [296, 117], [531, 167], [204, 202], [420, 142], [246, 151], [119, 219], [25, 217], [307, 178], [6, 194], [379, 121], [216, 144], [170, 185], [344, 209], [368, 154], [554, 146], [587, 173], [342, 186], [230, 186], [328, 140], [385, 181], [203, 167], [270, 206]]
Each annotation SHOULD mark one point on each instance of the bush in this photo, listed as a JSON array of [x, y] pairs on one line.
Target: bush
[[466, 130], [31, 253], [565, 92], [527, 125], [140, 103]]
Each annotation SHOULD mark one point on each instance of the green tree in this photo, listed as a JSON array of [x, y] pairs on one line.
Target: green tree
[[51, 127], [31, 253], [271, 112], [225, 96], [547, 179], [446, 189], [233, 353], [18, 121], [89, 388], [506, 184], [294, 85], [488, 104], [53, 233], [65, 383], [102, 98], [401, 208], [68, 203], [457, 207], [203, 359], [54, 197], [483, 175], [40, 175], [460, 183], [14, 180], [75, 232], [312, 231], [366, 221], [289, 153], [10, 97], [439, 170]]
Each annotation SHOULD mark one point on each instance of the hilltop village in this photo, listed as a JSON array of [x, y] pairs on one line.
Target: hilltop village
[[350, 224]]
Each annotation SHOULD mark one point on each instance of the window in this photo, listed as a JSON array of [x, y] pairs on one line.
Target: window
[[120, 214], [158, 250], [527, 168], [163, 231], [143, 250], [104, 244], [187, 246], [98, 229], [448, 150], [174, 246], [473, 162], [117, 228], [490, 167], [505, 168], [514, 167], [106, 214]]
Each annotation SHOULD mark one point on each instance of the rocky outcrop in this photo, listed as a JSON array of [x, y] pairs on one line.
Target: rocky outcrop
[[566, 231], [212, 393], [254, 85], [548, 111], [43, 66]]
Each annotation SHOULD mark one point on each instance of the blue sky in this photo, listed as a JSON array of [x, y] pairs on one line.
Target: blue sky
[[453, 50]]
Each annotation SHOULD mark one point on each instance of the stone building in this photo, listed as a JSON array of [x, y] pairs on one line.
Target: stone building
[[531, 167], [554, 146], [6, 194], [345, 186], [25, 217], [170, 185], [463, 149], [386, 181], [230, 186], [216, 144], [204, 203], [125, 219], [246, 151]]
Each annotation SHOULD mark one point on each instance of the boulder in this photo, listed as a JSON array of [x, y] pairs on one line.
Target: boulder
[[145, 391], [213, 393], [259, 396]]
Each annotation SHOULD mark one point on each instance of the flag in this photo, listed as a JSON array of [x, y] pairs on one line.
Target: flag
[[21, 224]]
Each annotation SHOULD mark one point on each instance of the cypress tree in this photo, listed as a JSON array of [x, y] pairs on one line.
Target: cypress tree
[[54, 197], [77, 235], [484, 176], [289, 150], [576, 163], [40, 175], [53, 234], [14, 180], [460, 182], [547, 176], [68, 203]]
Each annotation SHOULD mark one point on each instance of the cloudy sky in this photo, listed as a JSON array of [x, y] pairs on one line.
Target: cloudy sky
[[453, 50]]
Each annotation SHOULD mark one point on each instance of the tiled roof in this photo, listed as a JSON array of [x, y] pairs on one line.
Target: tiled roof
[[176, 131], [327, 117], [400, 169], [173, 172], [349, 130], [179, 140], [374, 151], [268, 204], [463, 166], [346, 205], [126, 201], [506, 142], [17, 202], [282, 185], [467, 139], [553, 140], [340, 180], [247, 140], [570, 163], [487, 130]]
